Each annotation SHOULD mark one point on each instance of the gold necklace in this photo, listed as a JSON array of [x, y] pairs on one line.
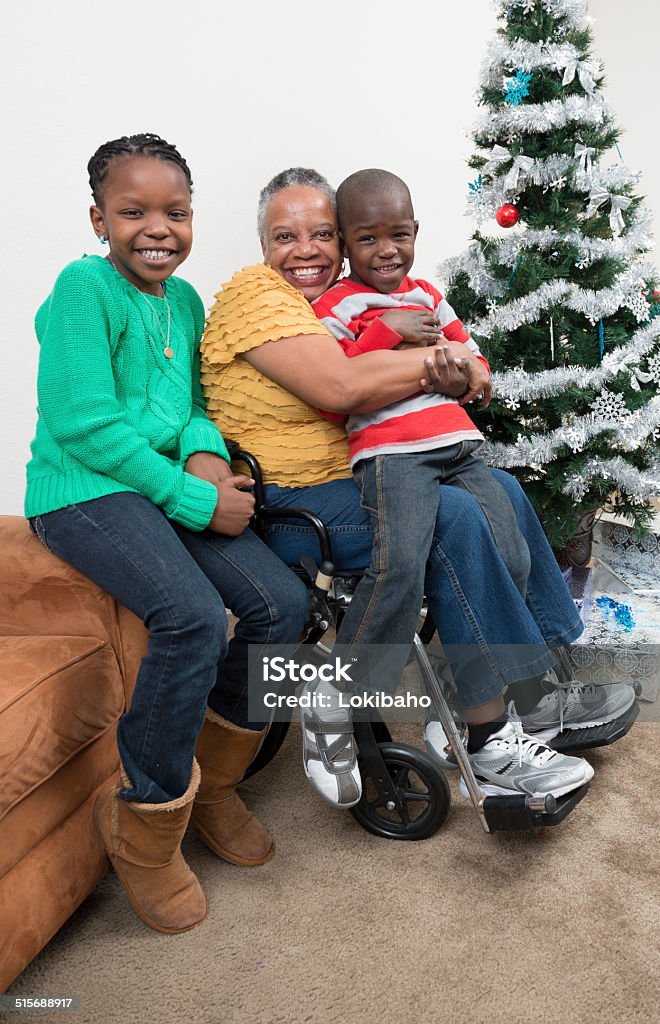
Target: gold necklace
[[167, 351]]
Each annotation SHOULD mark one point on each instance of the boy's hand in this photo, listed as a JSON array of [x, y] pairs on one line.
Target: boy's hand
[[207, 466], [445, 374], [416, 327], [234, 508]]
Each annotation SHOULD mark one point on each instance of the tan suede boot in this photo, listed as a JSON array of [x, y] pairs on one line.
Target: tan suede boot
[[143, 842], [223, 821]]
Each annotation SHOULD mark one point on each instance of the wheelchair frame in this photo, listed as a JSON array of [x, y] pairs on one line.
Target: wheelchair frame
[[386, 766]]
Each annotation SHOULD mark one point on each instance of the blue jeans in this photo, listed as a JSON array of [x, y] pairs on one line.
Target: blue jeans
[[491, 636], [381, 619], [178, 582]]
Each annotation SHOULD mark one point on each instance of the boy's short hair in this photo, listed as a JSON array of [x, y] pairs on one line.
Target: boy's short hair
[[369, 180]]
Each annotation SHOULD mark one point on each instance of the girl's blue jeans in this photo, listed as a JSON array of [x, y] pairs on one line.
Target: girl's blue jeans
[[179, 583], [491, 635]]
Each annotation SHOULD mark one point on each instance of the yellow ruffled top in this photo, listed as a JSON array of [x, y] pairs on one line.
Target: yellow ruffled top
[[294, 444]]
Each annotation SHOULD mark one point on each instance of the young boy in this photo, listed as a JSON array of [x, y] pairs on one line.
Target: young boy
[[401, 453], [428, 439]]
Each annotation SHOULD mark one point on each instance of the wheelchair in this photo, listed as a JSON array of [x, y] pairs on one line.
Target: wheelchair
[[405, 794]]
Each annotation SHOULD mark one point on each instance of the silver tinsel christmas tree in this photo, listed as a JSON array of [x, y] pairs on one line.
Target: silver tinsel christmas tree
[[564, 305]]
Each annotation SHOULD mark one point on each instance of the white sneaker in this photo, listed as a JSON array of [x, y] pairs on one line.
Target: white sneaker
[[329, 750], [574, 705], [511, 762], [437, 745]]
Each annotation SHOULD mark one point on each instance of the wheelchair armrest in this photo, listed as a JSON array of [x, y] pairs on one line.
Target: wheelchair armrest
[[238, 454], [270, 512], [233, 447], [264, 511]]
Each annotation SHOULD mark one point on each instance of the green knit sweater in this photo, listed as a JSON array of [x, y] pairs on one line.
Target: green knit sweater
[[114, 413]]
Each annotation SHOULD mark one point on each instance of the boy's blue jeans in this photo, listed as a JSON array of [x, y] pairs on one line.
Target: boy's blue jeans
[[402, 494], [491, 636], [178, 582]]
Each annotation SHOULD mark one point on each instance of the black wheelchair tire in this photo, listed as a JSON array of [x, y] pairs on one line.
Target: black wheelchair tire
[[401, 759]]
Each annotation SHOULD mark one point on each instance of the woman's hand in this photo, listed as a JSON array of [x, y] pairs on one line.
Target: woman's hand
[[234, 507], [477, 380], [480, 384], [445, 374], [416, 327]]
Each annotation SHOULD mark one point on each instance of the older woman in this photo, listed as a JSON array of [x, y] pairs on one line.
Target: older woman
[[267, 365]]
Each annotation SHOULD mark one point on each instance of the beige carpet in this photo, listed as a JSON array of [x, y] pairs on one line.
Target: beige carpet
[[345, 927]]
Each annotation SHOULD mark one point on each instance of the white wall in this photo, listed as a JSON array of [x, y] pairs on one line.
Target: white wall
[[244, 90]]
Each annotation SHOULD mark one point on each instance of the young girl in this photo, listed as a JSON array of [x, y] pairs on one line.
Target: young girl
[[130, 483]]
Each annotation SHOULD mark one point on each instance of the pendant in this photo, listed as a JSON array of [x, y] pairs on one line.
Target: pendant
[[168, 352]]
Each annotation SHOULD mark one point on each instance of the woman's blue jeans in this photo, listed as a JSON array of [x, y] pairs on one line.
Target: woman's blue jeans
[[178, 582], [491, 636]]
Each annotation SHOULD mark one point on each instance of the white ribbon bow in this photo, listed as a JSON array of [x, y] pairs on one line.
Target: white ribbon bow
[[585, 69], [498, 155], [520, 164], [599, 196], [584, 155], [628, 364]]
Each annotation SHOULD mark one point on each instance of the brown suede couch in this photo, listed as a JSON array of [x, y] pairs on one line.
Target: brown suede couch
[[68, 660]]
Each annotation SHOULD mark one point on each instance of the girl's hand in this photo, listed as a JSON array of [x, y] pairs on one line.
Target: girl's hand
[[207, 466], [445, 374], [234, 508], [416, 327]]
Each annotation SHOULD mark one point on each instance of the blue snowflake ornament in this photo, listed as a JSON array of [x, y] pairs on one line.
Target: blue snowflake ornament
[[517, 88], [476, 185]]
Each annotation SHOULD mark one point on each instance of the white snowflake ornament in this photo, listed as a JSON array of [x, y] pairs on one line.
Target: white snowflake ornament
[[653, 366], [610, 407], [638, 306]]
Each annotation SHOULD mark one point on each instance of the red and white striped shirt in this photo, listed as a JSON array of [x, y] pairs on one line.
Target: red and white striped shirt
[[351, 312]]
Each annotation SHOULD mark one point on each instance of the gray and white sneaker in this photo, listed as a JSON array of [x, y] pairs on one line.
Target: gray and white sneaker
[[329, 750], [511, 762], [575, 705]]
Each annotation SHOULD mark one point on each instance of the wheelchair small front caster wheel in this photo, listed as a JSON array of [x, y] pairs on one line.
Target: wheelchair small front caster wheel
[[422, 792]]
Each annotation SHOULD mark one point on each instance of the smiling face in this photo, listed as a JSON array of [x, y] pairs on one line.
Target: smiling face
[[147, 219], [301, 241], [379, 238]]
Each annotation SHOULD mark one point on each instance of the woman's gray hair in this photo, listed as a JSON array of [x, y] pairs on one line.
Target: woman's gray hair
[[286, 179]]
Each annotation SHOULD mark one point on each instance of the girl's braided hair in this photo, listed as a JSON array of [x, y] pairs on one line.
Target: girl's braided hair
[[145, 144]]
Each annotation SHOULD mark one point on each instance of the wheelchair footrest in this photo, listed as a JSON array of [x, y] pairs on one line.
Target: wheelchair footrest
[[513, 813], [572, 740]]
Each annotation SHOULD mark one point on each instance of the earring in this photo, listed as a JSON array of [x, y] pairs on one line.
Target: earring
[[103, 240]]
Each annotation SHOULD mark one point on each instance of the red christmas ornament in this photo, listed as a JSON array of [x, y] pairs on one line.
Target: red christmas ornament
[[507, 216]]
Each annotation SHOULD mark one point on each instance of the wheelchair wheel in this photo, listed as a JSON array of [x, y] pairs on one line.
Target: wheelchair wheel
[[423, 791], [274, 739]]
